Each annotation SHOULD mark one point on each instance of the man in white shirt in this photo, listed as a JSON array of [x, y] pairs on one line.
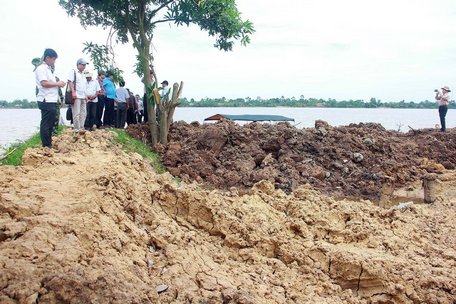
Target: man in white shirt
[[78, 84], [47, 95], [92, 91]]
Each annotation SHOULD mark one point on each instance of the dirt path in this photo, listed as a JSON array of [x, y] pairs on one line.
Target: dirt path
[[87, 223]]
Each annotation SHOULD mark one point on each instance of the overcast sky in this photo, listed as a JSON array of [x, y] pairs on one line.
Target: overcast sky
[[352, 49]]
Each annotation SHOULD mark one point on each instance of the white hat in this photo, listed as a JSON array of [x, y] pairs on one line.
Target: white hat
[[446, 88], [82, 61], [87, 74]]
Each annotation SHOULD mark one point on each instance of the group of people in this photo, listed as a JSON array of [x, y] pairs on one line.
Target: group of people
[[97, 102]]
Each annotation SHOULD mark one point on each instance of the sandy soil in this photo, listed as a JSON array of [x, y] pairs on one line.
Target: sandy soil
[[87, 223]]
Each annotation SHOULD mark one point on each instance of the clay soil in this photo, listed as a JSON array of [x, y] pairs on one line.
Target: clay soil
[[86, 222], [356, 161]]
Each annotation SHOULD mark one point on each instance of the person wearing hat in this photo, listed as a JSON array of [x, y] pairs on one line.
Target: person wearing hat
[[443, 99], [164, 91], [92, 91], [110, 90], [78, 84], [47, 95], [101, 99]]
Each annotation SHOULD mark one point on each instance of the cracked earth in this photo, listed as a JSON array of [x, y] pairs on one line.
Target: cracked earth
[[88, 223]]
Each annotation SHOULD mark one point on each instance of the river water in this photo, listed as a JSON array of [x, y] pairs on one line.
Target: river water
[[19, 124]]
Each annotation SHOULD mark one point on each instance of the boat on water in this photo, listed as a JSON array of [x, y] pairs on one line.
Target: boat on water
[[248, 117]]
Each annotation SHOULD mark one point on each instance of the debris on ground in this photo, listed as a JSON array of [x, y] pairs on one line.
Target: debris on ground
[[85, 222], [357, 161]]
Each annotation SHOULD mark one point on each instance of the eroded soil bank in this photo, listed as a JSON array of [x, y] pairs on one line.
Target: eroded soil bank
[[88, 223], [358, 161]]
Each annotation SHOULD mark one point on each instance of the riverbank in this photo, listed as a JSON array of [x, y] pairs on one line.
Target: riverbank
[[357, 161], [18, 125], [88, 222]]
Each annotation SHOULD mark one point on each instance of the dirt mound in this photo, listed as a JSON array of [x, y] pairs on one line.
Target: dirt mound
[[359, 160], [87, 223]]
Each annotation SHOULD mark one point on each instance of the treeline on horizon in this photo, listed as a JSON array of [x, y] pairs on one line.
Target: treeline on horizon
[[308, 103], [272, 102]]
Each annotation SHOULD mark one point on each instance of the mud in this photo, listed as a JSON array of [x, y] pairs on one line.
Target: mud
[[87, 223], [356, 161]]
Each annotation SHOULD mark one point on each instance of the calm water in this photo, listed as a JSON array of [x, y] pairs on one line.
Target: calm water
[[19, 124]]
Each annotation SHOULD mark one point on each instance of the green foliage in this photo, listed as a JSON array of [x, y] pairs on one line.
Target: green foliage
[[307, 103], [102, 59], [98, 54], [16, 152], [18, 104], [133, 145], [137, 19], [220, 18]]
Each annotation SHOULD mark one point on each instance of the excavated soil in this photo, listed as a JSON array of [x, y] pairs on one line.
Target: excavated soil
[[356, 161], [87, 223]]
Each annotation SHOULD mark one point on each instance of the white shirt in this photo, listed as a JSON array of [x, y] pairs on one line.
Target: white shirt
[[44, 72], [140, 104], [81, 83], [444, 98], [164, 91], [92, 88]]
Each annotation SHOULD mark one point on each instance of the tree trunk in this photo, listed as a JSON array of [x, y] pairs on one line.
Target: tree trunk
[[164, 127], [149, 84], [151, 114]]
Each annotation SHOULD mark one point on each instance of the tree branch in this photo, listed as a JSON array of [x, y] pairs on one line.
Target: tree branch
[[155, 11], [163, 20]]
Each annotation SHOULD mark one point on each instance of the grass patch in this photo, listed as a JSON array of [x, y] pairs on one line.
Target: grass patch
[[130, 145], [16, 151]]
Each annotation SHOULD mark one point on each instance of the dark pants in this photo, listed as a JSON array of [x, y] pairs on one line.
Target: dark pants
[[57, 118], [131, 116], [140, 116], [48, 113], [109, 116], [100, 108], [442, 113], [91, 115], [121, 115]]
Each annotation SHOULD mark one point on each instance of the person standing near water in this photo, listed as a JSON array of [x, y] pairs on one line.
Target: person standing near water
[[444, 99], [78, 85], [92, 91], [47, 95]]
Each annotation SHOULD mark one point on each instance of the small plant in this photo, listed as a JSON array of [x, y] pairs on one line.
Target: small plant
[[13, 155], [133, 145]]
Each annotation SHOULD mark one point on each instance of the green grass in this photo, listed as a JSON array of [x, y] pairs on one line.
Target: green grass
[[16, 151], [130, 145]]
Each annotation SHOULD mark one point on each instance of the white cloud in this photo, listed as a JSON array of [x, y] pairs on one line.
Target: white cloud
[[390, 49]]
